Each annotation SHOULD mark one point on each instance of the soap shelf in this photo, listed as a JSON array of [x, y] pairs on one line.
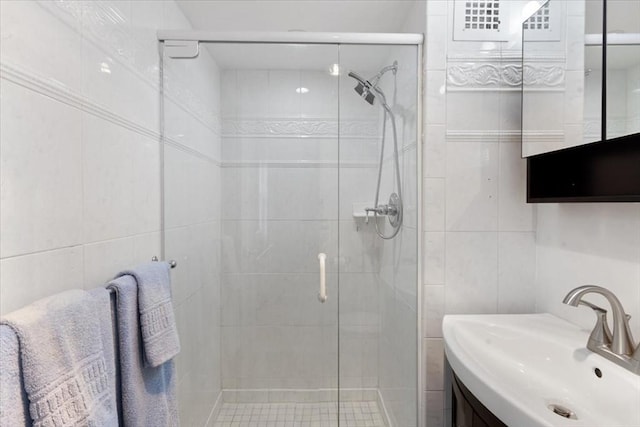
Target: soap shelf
[[359, 210]]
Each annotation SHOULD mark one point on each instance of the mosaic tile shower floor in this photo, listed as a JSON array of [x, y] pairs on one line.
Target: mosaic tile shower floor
[[352, 414]]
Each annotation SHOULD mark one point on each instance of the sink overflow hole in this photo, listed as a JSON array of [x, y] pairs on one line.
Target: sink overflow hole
[[562, 411], [598, 372]]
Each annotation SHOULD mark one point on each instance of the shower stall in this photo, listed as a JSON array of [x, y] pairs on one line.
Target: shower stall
[[291, 203]]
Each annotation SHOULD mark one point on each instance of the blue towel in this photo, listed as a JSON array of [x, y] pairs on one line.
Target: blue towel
[[64, 361], [14, 403], [148, 393], [157, 322]]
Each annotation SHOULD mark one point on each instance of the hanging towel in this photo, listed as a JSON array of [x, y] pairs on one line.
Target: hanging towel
[[148, 393], [105, 317], [157, 323], [14, 404], [63, 363]]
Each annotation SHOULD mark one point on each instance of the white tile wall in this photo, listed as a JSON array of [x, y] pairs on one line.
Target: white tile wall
[[588, 244], [472, 187], [41, 172], [80, 171], [30, 276], [509, 257], [478, 240]]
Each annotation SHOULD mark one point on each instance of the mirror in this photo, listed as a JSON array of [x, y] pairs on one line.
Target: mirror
[[623, 68], [563, 73]]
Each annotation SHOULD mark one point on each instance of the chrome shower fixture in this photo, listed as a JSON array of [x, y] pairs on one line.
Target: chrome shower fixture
[[363, 88], [368, 89]]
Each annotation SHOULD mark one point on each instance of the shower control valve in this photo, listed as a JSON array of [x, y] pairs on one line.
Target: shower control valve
[[390, 210]]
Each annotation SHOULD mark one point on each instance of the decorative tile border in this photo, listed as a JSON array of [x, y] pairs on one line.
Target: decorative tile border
[[297, 128], [504, 71], [504, 76], [52, 89], [512, 136]]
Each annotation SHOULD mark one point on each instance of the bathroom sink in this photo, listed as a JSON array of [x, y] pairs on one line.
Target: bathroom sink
[[522, 366]]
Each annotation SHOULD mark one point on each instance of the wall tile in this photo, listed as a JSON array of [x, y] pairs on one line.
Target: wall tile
[[516, 272], [472, 187], [102, 260], [433, 310], [257, 246], [437, 7], [471, 273], [28, 278], [434, 258], [359, 247], [434, 152], [435, 364], [121, 181], [434, 204], [473, 110], [436, 42], [284, 100], [41, 172], [82, 190], [322, 98], [510, 118], [436, 97], [607, 255], [275, 193], [514, 214], [137, 99], [253, 100], [57, 60], [435, 404]]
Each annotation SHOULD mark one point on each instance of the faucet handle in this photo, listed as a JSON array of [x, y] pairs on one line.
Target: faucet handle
[[601, 334]]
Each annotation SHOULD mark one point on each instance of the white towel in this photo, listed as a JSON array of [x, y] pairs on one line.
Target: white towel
[[65, 372], [157, 322]]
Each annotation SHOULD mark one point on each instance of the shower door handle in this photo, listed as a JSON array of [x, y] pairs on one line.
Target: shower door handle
[[322, 295]]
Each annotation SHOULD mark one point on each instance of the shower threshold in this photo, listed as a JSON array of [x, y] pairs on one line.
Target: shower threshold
[[309, 414]]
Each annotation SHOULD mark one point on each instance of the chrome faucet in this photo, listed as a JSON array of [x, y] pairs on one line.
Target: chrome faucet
[[617, 346]]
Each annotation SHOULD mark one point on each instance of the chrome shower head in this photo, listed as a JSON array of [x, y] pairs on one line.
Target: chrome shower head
[[368, 89], [363, 88]]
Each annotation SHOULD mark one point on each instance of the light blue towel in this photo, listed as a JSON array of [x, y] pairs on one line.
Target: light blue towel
[[157, 322], [64, 362], [14, 404], [148, 393]]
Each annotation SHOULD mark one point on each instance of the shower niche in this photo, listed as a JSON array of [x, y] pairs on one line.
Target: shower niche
[[266, 181]]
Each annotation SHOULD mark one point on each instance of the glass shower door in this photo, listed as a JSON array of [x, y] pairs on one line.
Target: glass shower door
[[251, 171], [378, 310]]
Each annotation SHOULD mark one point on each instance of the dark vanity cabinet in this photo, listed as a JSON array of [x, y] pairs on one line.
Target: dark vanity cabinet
[[467, 411]]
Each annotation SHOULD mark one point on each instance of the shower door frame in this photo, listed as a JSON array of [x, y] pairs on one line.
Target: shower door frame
[[336, 38]]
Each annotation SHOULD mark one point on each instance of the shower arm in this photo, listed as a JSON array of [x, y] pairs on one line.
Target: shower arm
[[375, 79]]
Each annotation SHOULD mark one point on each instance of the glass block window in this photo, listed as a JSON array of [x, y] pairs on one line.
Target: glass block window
[[479, 20]]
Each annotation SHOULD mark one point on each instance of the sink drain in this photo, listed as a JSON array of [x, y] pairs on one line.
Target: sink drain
[[562, 411]]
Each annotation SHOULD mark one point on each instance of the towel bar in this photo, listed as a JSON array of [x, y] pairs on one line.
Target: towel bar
[[172, 263]]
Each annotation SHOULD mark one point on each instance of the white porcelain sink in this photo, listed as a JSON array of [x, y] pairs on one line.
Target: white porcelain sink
[[519, 365]]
